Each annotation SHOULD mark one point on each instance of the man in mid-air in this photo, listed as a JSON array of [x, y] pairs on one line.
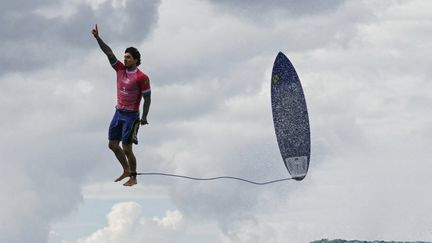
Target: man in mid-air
[[132, 84]]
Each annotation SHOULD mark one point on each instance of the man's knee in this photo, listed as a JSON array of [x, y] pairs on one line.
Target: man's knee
[[114, 146]]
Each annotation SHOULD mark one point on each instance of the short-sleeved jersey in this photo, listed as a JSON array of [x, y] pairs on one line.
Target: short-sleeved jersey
[[131, 85]]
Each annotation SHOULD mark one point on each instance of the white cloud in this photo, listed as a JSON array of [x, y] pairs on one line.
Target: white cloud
[[125, 222], [120, 221]]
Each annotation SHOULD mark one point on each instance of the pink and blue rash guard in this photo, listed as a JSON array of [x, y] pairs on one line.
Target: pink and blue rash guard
[[131, 85]]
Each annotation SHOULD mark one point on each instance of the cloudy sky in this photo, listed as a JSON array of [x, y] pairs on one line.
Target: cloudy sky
[[365, 67]]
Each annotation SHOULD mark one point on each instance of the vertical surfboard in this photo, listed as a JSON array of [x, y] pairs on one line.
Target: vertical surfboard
[[290, 117]]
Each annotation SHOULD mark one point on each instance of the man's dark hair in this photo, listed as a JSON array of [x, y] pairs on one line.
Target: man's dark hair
[[135, 54]]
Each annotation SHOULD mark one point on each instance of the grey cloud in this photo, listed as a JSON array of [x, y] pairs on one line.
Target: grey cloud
[[44, 150], [43, 182], [38, 191], [31, 41], [20, 7], [291, 8]]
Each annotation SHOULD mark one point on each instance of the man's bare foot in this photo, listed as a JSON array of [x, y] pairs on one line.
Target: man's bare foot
[[131, 182], [124, 175]]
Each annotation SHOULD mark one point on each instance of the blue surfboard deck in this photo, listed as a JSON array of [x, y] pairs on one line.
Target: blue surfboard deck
[[290, 117]]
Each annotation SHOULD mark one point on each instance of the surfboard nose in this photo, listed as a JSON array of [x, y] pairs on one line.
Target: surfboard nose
[[281, 55]]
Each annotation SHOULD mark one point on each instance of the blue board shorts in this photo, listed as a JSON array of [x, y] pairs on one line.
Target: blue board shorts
[[124, 126]]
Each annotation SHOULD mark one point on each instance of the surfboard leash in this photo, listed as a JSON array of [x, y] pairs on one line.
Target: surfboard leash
[[213, 178]]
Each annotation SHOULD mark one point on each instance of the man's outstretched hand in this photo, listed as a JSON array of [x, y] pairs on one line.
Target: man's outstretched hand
[[95, 32]]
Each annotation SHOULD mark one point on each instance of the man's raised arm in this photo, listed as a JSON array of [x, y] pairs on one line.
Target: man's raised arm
[[104, 47]]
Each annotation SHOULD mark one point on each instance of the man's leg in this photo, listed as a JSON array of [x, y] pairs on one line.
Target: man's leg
[[127, 149], [114, 145]]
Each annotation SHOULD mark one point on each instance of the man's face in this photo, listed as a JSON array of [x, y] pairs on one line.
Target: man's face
[[129, 61]]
